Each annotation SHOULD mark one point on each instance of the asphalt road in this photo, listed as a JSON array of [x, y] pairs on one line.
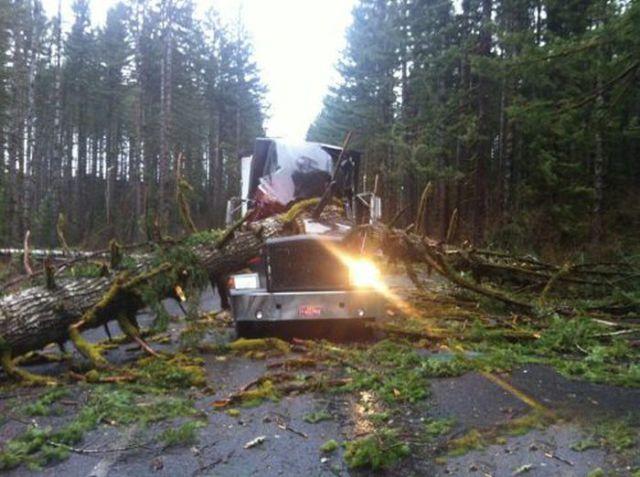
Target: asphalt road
[[291, 445]]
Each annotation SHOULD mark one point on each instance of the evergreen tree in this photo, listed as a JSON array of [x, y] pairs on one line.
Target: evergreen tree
[[5, 20], [522, 113], [366, 100], [115, 54], [92, 121], [79, 80]]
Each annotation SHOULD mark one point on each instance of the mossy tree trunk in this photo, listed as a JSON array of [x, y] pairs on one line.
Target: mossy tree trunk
[[34, 317]]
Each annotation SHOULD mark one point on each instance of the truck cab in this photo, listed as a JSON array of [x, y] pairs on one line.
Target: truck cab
[[311, 277]]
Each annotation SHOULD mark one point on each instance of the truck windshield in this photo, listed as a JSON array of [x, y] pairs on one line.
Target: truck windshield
[[295, 171]]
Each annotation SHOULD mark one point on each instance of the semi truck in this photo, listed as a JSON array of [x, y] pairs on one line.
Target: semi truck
[[310, 280]]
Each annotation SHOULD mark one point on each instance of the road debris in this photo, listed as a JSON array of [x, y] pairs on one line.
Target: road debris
[[523, 469], [255, 442]]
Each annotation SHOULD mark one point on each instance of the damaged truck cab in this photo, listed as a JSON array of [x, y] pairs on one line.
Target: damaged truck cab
[[310, 277]]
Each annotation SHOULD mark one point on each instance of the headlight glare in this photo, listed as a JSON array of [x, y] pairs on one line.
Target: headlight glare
[[364, 273]]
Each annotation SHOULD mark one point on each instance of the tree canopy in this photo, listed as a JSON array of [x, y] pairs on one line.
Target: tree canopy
[[94, 119], [522, 113]]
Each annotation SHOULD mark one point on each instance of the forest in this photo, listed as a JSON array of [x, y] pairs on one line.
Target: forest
[[524, 114], [93, 120]]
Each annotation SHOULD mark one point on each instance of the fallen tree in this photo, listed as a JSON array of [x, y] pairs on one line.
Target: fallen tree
[[62, 307]]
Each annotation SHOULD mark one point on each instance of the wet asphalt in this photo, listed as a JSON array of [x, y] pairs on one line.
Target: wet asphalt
[[291, 445]]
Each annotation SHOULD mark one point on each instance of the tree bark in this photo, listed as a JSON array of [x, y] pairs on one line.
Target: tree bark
[[55, 168], [598, 169], [484, 140], [136, 143], [165, 114], [216, 170]]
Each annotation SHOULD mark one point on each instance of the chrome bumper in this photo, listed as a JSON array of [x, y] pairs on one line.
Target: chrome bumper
[[249, 305]]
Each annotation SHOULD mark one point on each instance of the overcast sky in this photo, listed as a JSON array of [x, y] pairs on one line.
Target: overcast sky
[[297, 44]]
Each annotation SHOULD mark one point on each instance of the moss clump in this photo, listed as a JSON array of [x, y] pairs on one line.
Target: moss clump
[[379, 418], [84, 270], [298, 363], [180, 371], [43, 405], [154, 373], [596, 473], [437, 427], [440, 368], [378, 450], [186, 433], [254, 397], [31, 448], [585, 444], [618, 435], [472, 440], [394, 371], [317, 416], [204, 238], [524, 424], [127, 404], [294, 212], [475, 439], [329, 446], [567, 335], [624, 373], [243, 345], [192, 335], [117, 405]]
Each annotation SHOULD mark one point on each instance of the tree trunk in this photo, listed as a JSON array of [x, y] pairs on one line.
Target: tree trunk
[[58, 152], [483, 150], [81, 172], [16, 137], [218, 170], [136, 143], [598, 179], [164, 185], [29, 185]]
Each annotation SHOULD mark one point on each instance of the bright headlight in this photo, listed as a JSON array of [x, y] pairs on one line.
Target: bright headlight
[[364, 273]]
